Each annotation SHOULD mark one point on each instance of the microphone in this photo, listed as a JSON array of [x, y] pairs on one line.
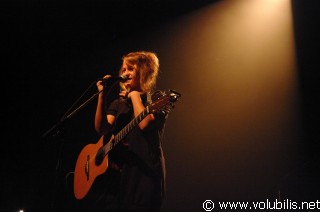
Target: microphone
[[121, 78]]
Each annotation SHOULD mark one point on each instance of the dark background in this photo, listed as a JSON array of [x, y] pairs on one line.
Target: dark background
[[42, 41]]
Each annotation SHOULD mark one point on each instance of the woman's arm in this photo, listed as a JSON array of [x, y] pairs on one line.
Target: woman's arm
[[138, 107], [103, 122]]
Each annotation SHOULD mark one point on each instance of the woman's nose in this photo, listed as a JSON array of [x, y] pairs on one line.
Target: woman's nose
[[126, 73]]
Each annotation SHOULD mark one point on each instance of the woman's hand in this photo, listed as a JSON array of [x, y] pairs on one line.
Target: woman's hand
[[126, 94], [123, 93], [133, 94], [101, 83]]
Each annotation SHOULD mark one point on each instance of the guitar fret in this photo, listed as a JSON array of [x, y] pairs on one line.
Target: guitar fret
[[131, 125], [122, 133]]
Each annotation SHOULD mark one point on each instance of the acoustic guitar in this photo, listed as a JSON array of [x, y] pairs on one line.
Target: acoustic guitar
[[93, 158]]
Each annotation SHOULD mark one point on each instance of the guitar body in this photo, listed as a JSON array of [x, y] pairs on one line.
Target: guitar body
[[87, 169]]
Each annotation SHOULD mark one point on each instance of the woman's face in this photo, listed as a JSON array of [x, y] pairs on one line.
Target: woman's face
[[130, 71]]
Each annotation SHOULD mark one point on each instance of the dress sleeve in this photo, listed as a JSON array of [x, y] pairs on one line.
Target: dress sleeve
[[113, 108]]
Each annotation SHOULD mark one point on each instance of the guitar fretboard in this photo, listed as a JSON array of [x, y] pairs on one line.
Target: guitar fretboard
[[128, 128]]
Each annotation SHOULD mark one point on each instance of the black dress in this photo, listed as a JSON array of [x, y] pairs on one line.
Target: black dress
[[139, 183]]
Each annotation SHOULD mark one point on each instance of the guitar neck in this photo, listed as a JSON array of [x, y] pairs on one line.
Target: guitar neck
[[132, 124], [128, 128]]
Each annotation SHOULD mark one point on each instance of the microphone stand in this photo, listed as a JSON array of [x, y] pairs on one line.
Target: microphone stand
[[64, 118], [67, 116]]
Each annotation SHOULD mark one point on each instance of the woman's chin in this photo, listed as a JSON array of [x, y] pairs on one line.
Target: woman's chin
[[127, 87]]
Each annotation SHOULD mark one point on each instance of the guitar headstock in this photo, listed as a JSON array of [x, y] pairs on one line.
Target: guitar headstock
[[163, 100]]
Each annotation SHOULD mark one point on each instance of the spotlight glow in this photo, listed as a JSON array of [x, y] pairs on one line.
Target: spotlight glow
[[237, 59]]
